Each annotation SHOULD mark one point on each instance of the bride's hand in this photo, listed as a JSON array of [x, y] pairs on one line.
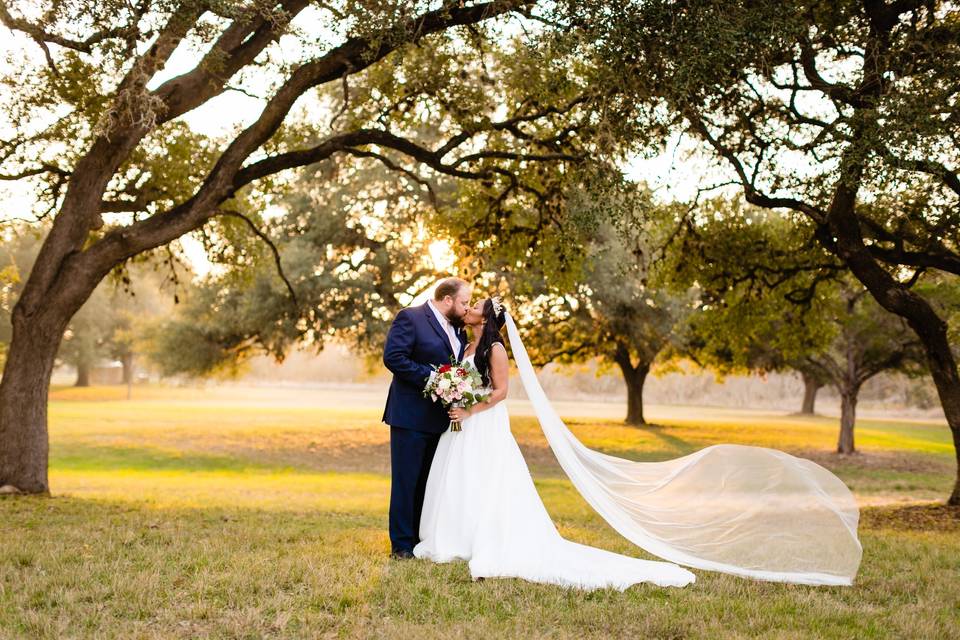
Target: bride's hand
[[458, 413]]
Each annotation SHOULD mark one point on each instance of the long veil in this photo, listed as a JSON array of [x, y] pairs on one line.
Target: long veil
[[748, 511]]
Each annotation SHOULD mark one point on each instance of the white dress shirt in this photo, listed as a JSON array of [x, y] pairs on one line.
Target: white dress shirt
[[447, 327]]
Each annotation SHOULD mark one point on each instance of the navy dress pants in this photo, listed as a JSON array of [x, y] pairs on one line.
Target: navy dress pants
[[411, 453]]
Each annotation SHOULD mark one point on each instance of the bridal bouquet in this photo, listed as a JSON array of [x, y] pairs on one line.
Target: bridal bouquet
[[455, 385]]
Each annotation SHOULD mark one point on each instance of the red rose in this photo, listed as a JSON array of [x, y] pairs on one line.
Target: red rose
[[462, 372], [444, 368]]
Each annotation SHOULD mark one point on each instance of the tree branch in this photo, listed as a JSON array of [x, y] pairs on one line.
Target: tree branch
[[947, 262], [227, 175], [393, 166], [751, 193], [39, 34], [27, 173], [884, 16], [837, 92], [511, 124], [346, 99], [508, 155], [273, 248], [348, 142], [237, 46], [930, 167]]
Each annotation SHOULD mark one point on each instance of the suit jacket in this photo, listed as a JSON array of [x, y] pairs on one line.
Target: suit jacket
[[415, 341]]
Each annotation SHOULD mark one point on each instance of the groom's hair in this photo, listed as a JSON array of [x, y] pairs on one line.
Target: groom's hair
[[449, 287]]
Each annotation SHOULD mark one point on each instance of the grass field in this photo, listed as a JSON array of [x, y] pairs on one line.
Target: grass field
[[233, 513]]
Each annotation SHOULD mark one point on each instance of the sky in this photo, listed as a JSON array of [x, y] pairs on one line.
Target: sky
[[672, 174]]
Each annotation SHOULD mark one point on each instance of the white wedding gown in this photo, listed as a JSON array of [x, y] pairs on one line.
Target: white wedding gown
[[481, 506], [748, 511]]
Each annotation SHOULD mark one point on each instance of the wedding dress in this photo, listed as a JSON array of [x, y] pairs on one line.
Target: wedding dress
[[481, 505], [748, 511]]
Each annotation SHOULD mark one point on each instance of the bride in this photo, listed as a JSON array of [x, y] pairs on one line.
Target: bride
[[481, 504], [748, 511]]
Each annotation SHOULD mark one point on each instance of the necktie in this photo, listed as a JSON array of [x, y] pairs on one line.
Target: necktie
[[454, 343]]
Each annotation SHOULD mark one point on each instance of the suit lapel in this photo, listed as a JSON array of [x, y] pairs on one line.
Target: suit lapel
[[432, 319]]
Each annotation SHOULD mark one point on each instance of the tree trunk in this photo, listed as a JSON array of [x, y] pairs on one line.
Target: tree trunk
[[24, 388], [635, 397], [896, 298], [634, 378], [932, 331], [848, 417], [810, 387], [23, 402], [943, 369], [83, 374], [127, 361]]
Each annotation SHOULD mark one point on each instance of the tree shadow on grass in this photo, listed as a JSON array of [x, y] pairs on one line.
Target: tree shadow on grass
[[678, 446], [913, 517]]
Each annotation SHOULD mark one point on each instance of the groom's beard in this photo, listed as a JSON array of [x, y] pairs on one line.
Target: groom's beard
[[455, 321]]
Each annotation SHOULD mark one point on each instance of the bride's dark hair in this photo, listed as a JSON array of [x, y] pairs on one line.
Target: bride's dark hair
[[490, 334]]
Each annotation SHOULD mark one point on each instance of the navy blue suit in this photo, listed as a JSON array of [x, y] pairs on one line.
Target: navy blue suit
[[415, 341]]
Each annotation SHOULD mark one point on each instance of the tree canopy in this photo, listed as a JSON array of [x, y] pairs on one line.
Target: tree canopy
[[843, 113], [481, 92]]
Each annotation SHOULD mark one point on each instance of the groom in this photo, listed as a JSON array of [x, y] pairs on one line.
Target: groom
[[420, 336]]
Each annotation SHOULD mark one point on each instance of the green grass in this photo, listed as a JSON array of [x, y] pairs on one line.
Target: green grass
[[217, 514]]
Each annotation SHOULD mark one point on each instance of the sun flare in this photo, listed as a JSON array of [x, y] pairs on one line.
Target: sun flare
[[442, 255]]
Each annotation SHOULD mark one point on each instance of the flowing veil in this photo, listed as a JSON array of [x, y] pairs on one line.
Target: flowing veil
[[748, 511]]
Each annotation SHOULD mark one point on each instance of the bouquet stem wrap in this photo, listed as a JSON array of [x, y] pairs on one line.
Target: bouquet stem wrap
[[455, 425]]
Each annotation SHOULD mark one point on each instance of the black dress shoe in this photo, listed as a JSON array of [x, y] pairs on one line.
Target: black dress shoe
[[403, 554]]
